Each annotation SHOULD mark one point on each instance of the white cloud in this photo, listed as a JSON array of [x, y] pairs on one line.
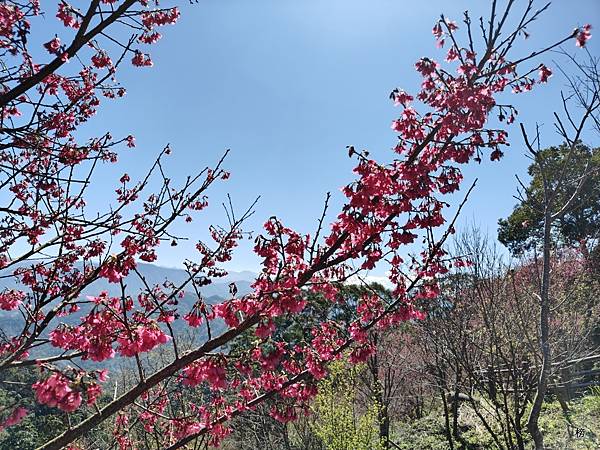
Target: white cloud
[[383, 280]]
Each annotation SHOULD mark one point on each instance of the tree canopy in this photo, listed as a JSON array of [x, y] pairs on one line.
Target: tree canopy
[[522, 230]]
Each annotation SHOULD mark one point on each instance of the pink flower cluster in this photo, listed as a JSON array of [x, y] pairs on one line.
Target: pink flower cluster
[[194, 317], [153, 19], [67, 16], [103, 327], [59, 391], [13, 418], [583, 35], [10, 16], [211, 370], [141, 60], [11, 299], [101, 60], [56, 391], [53, 46], [544, 73], [141, 339]]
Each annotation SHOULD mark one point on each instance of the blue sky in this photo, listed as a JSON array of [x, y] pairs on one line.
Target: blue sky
[[287, 84]]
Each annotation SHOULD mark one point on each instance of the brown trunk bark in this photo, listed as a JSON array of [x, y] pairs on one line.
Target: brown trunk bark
[[542, 385]]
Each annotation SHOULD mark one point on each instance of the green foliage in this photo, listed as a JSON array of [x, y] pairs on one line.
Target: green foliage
[[522, 230], [298, 329], [583, 433], [339, 423], [591, 402], [425, 434]]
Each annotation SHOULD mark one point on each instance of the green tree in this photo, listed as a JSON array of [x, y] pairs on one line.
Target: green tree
[[339, 422], [523, 229]]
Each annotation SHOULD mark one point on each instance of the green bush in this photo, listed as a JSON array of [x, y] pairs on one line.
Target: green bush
[[338, 422]]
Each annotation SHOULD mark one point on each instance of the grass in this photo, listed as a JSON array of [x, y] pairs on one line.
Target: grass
[[579, 430]]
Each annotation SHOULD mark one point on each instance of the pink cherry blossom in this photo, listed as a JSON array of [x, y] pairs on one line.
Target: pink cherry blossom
[[53, 46], [583, 35], [141, 60], [14, 417], [544, 73], [11, 299], [56, 391]]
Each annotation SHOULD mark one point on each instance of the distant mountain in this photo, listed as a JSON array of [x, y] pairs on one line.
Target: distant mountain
[[158, 275], [11, 321]]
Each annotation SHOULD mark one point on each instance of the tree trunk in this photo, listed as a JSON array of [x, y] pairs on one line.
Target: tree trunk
[[448, 430], [542, 385], [384, 426], [519, 434], [379, 396]]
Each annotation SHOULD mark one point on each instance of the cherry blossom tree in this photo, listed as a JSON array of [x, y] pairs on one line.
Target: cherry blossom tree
[[53, 246]]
